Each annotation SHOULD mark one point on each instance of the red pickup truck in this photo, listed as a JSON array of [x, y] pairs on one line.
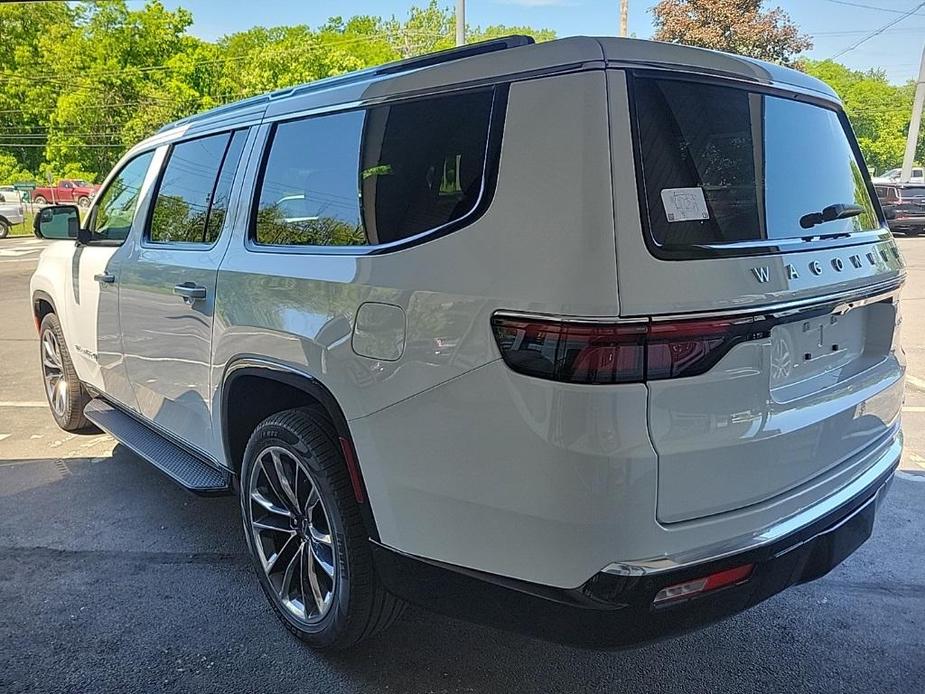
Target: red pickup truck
[[66, 190]]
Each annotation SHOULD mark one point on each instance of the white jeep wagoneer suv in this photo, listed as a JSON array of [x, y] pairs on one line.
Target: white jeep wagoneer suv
[[596, 339]]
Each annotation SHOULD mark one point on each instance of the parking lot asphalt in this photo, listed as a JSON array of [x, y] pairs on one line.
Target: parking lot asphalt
[[112, 579]]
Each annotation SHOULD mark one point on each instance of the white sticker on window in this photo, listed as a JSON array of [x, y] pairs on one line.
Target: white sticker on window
[[684, 204]]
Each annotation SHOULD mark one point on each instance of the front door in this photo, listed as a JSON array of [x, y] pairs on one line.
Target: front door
[[92, 300], [167, 289]]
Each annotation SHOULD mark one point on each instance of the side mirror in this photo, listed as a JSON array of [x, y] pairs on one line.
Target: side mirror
[[57, 222]]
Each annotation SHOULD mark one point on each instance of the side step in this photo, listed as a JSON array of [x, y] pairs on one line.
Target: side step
[[180, 465]]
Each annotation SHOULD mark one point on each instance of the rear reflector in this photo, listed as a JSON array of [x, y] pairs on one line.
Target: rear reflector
[[602, 353], [699, 586], [353, 469]]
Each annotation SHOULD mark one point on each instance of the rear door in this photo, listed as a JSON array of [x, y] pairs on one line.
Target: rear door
[[748, 233], [168, 286]]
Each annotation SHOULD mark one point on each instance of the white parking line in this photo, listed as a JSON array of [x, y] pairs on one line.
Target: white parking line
[[26, 403], [4, 436], [915, 381]]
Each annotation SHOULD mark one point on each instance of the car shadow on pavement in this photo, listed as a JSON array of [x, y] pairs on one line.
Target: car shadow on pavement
[[112, 578]]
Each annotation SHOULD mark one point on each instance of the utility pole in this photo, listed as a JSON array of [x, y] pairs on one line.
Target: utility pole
[[915, 123], [624, 17], [460, 22]]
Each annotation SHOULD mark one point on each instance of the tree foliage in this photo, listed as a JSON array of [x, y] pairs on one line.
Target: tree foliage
[[82, 82], [734, 26], [879, 111]]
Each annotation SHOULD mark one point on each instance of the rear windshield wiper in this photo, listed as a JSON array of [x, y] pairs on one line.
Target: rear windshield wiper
[[830, 214]]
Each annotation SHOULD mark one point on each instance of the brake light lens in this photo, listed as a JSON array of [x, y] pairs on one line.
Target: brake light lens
[[608, 353], [699, 586]]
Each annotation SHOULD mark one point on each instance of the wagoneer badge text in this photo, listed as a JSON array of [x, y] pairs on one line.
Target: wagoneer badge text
[[762, 273]]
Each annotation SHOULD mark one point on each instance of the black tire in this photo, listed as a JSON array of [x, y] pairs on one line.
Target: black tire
[[359, 605], [4, 228], [68, 411], [39, 200], [83, 201]]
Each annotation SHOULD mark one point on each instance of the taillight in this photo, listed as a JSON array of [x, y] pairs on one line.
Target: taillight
[[624, 352]]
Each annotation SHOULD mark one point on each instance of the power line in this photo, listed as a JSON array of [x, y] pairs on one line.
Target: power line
[[18, 145], [316, 45], [867, 7], [877, 32]]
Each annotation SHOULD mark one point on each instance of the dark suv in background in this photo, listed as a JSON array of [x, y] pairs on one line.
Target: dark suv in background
[[904, 205]]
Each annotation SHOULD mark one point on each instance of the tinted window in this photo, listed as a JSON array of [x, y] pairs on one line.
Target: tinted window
[[722, 165], [910, 192], [116, 206], [222, 195], [191, 186], [309, 191], [374, 176]]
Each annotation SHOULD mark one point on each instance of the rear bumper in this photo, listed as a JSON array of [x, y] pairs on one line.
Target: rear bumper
[[902, 223], [611, 611]]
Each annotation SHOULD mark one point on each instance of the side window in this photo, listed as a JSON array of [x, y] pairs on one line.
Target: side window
[[116, 205], [222, 195], [423, 164], [192, 196], [309, 195], [374, 176]]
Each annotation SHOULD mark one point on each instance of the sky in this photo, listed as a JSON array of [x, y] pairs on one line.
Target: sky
[[833, 24]]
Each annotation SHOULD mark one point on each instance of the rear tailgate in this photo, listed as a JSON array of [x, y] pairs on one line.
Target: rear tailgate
[[824, 383]]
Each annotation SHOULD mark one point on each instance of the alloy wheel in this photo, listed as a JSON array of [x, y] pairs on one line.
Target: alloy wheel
[[53, 373], [291, 533]]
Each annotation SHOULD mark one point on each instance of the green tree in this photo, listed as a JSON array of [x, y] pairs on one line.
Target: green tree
[[11, 171], [734, 26], [879, 111], [81, 82], [28, 89]]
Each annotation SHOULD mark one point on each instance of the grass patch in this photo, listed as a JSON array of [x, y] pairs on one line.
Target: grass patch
[[24, 229]]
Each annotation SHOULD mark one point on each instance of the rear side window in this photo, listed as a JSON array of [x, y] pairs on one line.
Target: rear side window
[[723, 166], [192, 196], [374, 176]]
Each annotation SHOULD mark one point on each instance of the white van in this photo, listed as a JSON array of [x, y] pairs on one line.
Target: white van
[[596, 339]]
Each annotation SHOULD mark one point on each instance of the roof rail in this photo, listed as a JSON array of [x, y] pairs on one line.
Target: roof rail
[[457, 53], [396, 67]]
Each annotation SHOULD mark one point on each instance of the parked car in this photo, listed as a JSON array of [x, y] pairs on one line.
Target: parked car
[[11, 213], [894, 176], [11, 194], [66, 190], [560, 337], [904, 204]]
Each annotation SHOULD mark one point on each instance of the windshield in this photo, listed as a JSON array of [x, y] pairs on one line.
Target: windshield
[[723, 165]]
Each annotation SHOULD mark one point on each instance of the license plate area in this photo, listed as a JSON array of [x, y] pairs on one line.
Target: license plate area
[[810, 354]]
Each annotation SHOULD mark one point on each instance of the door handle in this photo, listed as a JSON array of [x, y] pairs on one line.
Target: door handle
[[189, 291], [104, 278]]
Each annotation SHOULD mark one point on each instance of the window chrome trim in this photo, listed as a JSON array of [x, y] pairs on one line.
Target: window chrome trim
[[838, 302]]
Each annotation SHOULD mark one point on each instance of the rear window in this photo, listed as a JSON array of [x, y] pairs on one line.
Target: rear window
[[917, 192], [724, 168], [374, 176]]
